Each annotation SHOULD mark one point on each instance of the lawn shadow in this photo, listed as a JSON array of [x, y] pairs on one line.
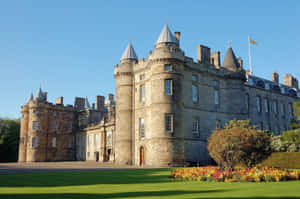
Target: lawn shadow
[[107, 195], [51, 179]]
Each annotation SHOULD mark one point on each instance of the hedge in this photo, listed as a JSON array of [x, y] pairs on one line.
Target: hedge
[[287, 160]]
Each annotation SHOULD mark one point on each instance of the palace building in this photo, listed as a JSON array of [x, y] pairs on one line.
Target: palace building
[[165, 108]]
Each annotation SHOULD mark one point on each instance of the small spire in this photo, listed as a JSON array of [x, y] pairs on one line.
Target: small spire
[[129, 52], [166, 20], [86, 104], [229, 43], [30, 98], [39, 95], [166, 36]]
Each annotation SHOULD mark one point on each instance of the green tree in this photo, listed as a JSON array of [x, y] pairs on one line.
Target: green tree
[[9, 140], [239, 143]]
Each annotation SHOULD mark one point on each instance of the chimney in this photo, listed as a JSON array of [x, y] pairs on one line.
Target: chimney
[[215, 59], [93, 106], [275, 77], [100, 100], [240, 61], [79, 103], [291, 81], [60, 100], [177, 36], [203, 54], [45, 95]]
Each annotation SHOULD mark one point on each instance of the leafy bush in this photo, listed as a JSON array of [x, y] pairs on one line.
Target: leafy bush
[[239, 143], [9, 140], [286, 160], [278, 145], [292, 136]]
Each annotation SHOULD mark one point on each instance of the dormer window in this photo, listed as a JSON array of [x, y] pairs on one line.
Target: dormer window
[[168, 67]]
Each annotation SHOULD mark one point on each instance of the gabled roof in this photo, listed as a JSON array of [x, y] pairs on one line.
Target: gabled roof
[[166, 36], [86, 104], [39, 95], [30, 98], [129, 53], [230, 60]]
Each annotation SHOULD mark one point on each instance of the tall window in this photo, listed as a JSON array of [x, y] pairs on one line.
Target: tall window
[[216, 96], [142, 93], [168, 87], [258, 104], [194, 78], [196, 126], [247, 101], [35, 125], [194, 93], [96, 140], [167, 67], [89, 140], [169, 122], [282, 109], [34, 142], [266, 103], [275, 107], [54, 142], [291, 109], [70, 127], [53, 126], [142, 127]]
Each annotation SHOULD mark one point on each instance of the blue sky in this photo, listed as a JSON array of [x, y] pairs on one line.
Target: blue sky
[[71, 47]]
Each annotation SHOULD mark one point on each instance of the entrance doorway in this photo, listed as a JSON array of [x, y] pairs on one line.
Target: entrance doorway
[[97, 156], [142, 154]]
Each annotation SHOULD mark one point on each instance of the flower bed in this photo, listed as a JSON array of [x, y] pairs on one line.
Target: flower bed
[[239, 174]]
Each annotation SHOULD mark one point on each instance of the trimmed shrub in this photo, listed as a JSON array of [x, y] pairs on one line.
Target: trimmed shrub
[[285, 160]]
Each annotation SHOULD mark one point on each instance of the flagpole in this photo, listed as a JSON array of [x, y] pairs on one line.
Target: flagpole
[[250, 55]]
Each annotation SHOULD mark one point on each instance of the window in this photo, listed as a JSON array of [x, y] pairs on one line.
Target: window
[[70, 126], [218, 124], [142, 93], [247, 101], [196, 126], [96, 140], [258, 104], [168, 68], [54, 114], [142, 127], [194, 93], [266, 103], [35, 125], [291, 110], [23, 116], [168, 87], [282, 109], [108, 139], [89, 140], [169, 122], [215, 83], [194, 78], [275, 107], [88, 154], [35, 111], [53, 126], [54, 142], [216, 96], [34, 142], [142, 77]]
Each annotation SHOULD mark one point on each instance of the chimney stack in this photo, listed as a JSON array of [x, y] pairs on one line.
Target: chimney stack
[[177, 36], [203, 54], [275, 77], [291, 81], [60, 100], [100, 101]]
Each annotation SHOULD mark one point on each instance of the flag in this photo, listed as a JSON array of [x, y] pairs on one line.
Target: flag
[[252, 42]]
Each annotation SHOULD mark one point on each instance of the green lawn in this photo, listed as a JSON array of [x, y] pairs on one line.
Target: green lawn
[[138, 183]]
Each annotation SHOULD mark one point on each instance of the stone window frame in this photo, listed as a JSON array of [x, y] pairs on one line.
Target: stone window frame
[[194, 78], [142, 77], [196, 126], [35, 125], [282, 109], [275, 107], [89, 140], [142, 92], [169, 122], [168, 67], [168, 91], [266, 105], [247, 101], [216, 97], [54, 142], [142, 127], [34, 142], [195, 96], [258, 103]]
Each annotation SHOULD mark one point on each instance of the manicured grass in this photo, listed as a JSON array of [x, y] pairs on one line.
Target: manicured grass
[[138, 183]]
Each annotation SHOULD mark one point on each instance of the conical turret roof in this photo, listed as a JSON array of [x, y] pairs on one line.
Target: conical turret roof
[[39, 95], [30, 98], [166, 36], [230, 60], [129, 53], [86, 104]]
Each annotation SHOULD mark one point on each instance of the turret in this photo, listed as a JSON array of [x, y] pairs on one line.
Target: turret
[[124, 91], [230, 61]]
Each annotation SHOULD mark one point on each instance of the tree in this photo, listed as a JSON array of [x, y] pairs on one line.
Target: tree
[[9, 140], [239, 143]]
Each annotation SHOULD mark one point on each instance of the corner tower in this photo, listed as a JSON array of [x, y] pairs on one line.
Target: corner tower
[[124, 101]]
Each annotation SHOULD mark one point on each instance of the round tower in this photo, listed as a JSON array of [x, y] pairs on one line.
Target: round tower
[[24, 131], [124, 92]]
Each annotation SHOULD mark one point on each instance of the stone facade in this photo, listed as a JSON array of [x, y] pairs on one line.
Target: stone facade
[[166, 107]]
